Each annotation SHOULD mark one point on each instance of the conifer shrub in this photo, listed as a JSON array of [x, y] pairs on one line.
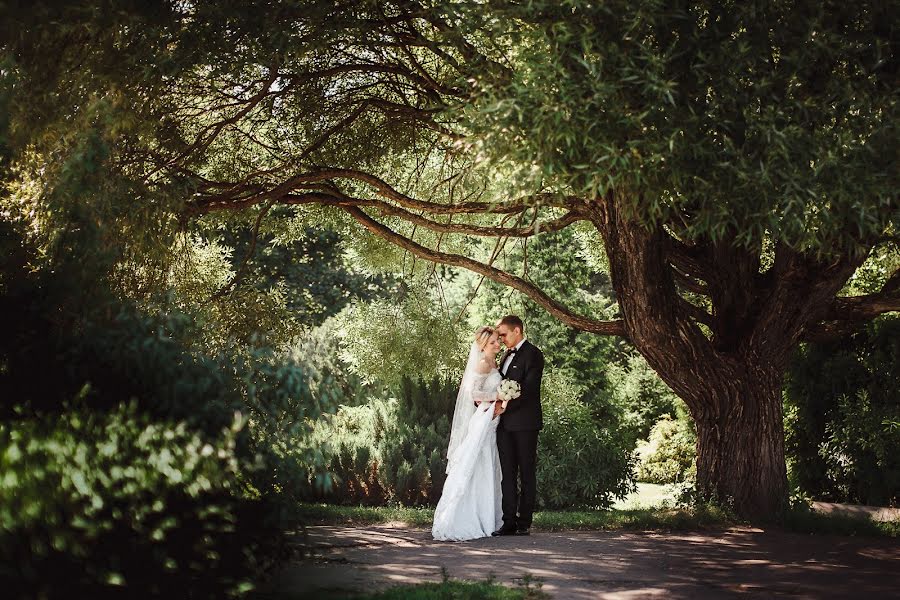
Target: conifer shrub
[[387, 450]]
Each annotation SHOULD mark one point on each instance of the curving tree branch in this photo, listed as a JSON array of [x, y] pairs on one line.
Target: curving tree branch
[[867, 306], [552, 306], [338, 199], [231, 199]]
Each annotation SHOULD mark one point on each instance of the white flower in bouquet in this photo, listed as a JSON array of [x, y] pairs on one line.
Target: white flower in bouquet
[[509, 390]]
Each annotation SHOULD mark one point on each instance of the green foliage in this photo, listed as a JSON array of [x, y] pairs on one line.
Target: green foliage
[[804, 520], [668, 456], [52, 327], [837, 400], [309, 266], [640, 393], [387, 450], [261, 295], [861, 454], [581, 461], [393, 450], [701, 516], [279, 400], [386, 341], [147, 460], [112, 504], [318, 350], [870, 277], [719, 112]]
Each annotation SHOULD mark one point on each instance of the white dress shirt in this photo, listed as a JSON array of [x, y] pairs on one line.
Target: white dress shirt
[[510, 358]]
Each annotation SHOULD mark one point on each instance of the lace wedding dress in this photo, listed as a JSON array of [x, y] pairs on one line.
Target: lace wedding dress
[[470, 504]]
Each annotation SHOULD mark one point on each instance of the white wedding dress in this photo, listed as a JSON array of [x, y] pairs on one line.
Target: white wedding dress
[[470, 504]]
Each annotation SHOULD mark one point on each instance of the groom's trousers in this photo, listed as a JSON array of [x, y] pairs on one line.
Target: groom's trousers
[[518, 460]]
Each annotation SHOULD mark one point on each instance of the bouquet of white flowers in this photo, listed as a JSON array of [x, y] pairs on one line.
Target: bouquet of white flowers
[[509, 390]]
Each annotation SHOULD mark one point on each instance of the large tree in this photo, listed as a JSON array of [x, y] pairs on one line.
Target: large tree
[[735, 160]]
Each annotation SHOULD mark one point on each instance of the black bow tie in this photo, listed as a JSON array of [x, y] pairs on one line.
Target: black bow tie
[[512, 350]]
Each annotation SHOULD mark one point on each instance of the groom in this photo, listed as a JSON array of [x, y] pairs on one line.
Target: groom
[[517, 432]]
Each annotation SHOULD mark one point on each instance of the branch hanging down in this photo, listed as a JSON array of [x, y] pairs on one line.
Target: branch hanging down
[[556, 309]]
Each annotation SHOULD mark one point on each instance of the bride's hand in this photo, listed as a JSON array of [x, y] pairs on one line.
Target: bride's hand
[[499, 409]]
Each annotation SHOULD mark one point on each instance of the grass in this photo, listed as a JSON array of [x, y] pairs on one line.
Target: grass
[[333, 514], [706, 517], [808, 521], [648, 495], [445, 590], [634, 519], [642, 519], [448, 589]]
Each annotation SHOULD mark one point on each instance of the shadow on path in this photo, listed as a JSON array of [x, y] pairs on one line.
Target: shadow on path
[[741, 562]]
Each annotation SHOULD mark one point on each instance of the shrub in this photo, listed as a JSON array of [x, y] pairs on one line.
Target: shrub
[[839, 400], [861, 456], [581, 461], [668, 455], [387, 450], [394, 450], [103, 505], [280, 400]]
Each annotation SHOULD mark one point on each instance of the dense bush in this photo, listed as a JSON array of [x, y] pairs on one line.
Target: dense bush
[[862, 454], [394, 450], [279, 398], [582, 461], [839, 401], [669, 453], [387, 450], [103, 505], [97, 495]]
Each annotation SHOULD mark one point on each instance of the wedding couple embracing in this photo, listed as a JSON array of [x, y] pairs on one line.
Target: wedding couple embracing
[[491, 484]]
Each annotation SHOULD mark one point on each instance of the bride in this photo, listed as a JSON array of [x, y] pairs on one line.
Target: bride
[[470, 504]]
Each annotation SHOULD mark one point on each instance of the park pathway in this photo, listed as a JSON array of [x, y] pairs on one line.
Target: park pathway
[[737, 563]]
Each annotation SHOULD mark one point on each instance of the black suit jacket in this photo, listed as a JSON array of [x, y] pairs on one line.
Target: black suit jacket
[[524, 413]]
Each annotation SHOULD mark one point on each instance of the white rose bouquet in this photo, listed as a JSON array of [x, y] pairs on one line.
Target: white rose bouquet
[[508, 390]]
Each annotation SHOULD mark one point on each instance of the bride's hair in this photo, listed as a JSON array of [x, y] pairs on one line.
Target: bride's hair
[[482, 335]]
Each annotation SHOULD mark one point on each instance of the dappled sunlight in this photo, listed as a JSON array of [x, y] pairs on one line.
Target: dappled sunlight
[[648, 592], [621, 565]]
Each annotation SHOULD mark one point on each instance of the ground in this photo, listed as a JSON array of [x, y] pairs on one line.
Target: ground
[[739, 562]]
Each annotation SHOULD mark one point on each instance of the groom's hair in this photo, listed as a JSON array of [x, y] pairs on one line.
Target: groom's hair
[[512, 321]]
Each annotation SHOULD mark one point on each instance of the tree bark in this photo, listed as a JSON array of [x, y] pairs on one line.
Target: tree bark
[[740, 444], [730, 380]]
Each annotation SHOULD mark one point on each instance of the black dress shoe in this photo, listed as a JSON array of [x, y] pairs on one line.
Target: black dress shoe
[[523, 531], [504, 531]]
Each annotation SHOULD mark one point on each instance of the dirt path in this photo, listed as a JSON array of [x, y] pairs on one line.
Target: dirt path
[[744, 562]]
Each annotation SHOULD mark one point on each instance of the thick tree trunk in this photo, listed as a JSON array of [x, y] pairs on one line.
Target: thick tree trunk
[[740, 446], [729, 373]]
